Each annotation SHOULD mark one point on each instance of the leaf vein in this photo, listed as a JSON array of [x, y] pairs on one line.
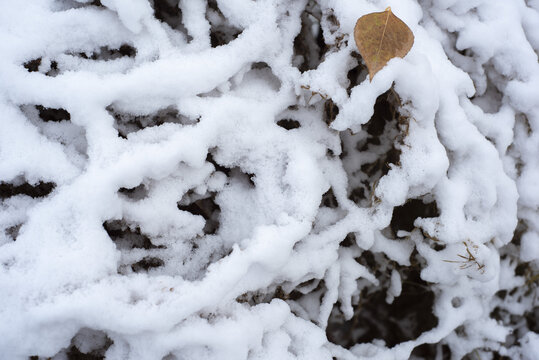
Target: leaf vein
[[383, 32]]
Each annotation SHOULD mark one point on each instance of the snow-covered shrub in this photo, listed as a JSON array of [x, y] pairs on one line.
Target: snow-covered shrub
[[219, 180]]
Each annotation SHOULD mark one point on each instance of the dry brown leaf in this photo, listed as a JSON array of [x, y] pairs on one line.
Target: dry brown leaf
[[380, 37]]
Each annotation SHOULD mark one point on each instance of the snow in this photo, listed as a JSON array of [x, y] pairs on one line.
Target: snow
[[172, 215]]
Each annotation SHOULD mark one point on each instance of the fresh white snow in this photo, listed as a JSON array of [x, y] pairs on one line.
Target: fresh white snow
[[174, 218]]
